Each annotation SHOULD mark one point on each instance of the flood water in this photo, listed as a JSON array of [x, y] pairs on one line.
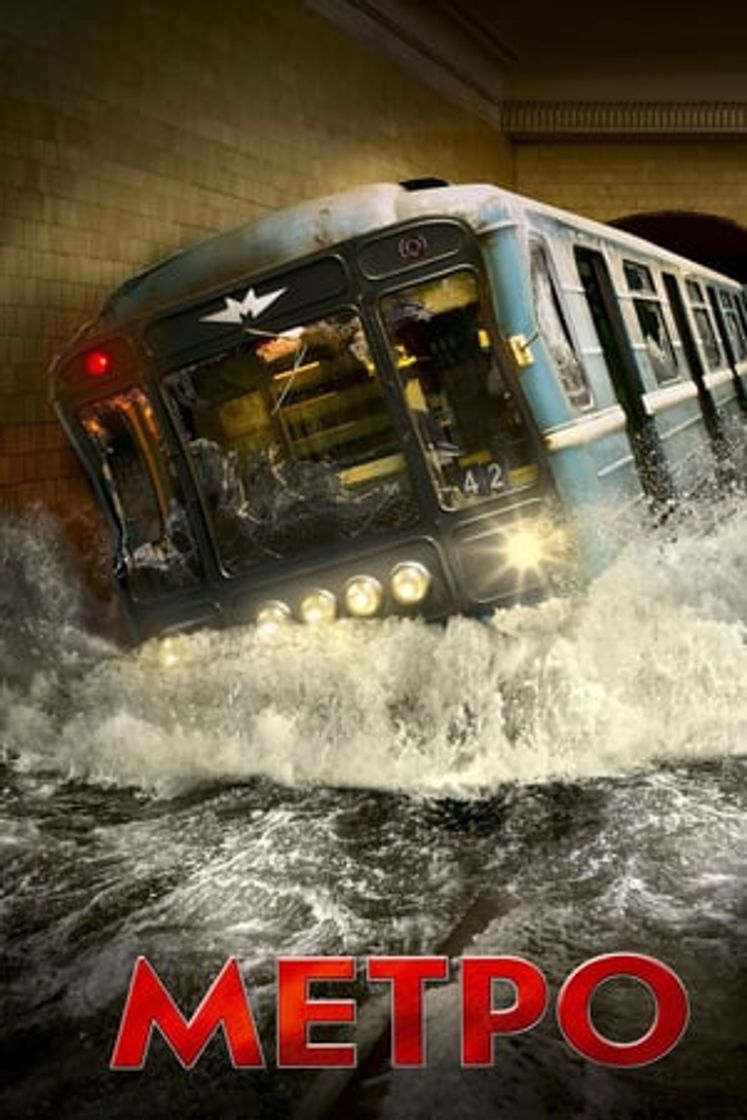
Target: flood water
[[574, 771]]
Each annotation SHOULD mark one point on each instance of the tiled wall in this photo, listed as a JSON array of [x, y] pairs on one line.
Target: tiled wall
[[611, 179], [130, 130]]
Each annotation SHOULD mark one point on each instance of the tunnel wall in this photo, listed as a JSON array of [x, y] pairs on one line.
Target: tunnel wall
[[131, 130], [607, 179]]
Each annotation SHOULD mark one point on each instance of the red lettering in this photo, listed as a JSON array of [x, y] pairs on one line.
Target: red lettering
[[407, 976], [480, 1022], [670, 1016], [296, 1012], [226, 1005], [149, 1005]]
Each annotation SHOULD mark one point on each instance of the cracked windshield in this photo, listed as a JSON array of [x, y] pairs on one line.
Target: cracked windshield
[[292, 443], [475, 440]]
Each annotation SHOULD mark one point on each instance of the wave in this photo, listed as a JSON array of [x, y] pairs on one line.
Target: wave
[[649, 665]]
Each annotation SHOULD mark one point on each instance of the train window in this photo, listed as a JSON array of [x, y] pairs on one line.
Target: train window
[[155, 539], [475, 439], [292, 443], [741, 302], [734, 326], [556, 333], [704, 324], [707, 337], [651, 320], [656, 336], [638, 277]]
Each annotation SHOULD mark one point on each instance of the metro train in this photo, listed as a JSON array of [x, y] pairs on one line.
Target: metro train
[[404, 399]]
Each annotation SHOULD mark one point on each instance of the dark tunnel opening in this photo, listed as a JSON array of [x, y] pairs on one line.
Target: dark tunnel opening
[[716, 242]]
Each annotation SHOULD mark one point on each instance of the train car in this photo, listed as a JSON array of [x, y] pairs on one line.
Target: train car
[[402, 399]]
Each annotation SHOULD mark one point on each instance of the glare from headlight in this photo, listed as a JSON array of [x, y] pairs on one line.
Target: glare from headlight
[[318, 606], [524, 549], [168, 652], [272, 614], [363, 596], [410, 582]]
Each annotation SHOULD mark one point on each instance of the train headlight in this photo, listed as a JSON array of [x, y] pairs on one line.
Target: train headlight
[[272, 614], [318, 606], [168, 652], [363, 596], [524, 549], [410, 583]]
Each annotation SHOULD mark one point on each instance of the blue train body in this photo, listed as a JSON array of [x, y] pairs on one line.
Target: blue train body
[[396, 401]]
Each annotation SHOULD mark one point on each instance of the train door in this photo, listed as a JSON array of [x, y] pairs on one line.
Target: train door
[[624, 374]]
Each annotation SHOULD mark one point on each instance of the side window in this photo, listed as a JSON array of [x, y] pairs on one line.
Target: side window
[[694, 291], [741, 302], [555, 332], [704, 324], [651, 320], [155, 539], [476, 442], [734, 325]]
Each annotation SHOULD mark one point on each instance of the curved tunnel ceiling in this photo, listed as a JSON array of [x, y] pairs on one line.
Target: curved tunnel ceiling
[[716, 242]]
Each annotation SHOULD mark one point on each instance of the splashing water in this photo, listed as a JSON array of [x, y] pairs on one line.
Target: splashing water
[[649, 665], [583, 757]]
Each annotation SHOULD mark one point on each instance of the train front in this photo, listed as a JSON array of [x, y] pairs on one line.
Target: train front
[[342, 436]]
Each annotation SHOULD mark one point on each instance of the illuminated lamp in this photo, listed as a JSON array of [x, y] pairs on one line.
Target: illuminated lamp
[[525, 549], [410, 583], [272, 615], [318, 606], [98, 363], [363, 596]]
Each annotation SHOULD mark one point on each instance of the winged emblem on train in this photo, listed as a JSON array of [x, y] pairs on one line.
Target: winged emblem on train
[[238, 310]]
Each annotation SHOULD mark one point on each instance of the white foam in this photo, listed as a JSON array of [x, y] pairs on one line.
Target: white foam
[[650, 664]]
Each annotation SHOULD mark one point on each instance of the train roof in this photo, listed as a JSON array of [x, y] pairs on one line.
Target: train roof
[[308, 227]]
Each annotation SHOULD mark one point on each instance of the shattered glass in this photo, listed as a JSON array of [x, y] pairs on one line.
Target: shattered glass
[[156, 551], [556, 333], [291, 442], [475, 439]]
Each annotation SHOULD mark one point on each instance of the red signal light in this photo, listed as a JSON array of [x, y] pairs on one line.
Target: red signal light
[[98, 362]]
